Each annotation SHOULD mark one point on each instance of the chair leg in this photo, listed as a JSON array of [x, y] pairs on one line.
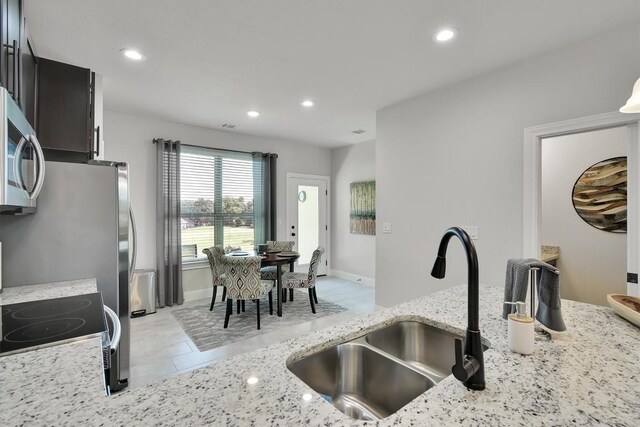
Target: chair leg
[[237, 306], [213, 299], [224, 293], [313, 306], [290, 294], [284, 295], [229, 310], [258, 311], [315, 295], [243, 306], [271, 303]]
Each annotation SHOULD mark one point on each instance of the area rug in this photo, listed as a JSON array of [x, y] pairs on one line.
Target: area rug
[[205, 328]]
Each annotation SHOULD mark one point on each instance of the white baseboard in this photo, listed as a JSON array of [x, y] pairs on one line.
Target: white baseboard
[[199, 294], [352, 277], [633, 289]]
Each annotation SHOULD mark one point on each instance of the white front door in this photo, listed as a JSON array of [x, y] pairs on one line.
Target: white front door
[[307, 218]]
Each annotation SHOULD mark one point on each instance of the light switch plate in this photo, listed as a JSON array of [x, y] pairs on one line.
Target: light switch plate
[[472, 231], [386, 227]]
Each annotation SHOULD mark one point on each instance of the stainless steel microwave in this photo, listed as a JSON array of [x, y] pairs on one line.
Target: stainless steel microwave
[[22, 165]]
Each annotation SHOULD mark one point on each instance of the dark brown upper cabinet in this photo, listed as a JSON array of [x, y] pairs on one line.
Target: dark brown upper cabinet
[[57, 99], [28, 77], [11, 22], [18, 59], [65, 115]]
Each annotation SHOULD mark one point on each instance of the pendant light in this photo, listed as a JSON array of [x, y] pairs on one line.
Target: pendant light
[[633, 104]]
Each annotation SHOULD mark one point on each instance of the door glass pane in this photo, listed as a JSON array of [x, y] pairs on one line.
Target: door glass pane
[[308, 222]]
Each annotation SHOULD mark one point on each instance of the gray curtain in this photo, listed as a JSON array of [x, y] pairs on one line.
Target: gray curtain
[[168, 248], [264, 197]]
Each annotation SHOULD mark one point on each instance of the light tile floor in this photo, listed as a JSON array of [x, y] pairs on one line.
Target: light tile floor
[[161, 349]]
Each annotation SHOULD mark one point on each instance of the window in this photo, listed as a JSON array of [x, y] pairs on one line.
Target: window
[[217, 192]]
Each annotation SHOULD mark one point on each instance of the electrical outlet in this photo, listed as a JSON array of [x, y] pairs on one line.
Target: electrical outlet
[[472, 231], [386, 227]]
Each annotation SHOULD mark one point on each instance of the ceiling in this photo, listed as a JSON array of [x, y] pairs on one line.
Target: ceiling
[[209, 62]]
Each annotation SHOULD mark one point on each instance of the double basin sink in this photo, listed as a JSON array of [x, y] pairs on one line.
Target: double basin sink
[[375, 375]]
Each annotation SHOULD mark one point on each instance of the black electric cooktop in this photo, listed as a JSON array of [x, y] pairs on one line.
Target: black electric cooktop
[[35, 324]]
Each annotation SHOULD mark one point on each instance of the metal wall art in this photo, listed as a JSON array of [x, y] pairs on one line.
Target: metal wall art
[[600, 195]]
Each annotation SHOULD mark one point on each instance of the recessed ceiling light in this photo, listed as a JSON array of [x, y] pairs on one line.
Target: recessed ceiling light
[[307, 103], [253, 114], [132, 54], [306, 397], [252, 380], [444, 35]]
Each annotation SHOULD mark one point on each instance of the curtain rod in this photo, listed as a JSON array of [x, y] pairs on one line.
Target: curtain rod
[[219, 149]]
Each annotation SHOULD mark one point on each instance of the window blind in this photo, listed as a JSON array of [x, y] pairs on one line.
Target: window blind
[[217, 190]]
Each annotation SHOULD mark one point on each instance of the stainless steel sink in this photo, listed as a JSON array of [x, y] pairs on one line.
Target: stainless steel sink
[[425, 347], [375, 375], [360, 381]]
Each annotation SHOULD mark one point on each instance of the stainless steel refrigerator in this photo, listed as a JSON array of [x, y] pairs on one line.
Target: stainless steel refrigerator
[[83, 228]]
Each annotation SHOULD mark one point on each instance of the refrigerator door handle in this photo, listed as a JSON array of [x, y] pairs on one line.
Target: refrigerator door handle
[[134, 244], [117, 329]]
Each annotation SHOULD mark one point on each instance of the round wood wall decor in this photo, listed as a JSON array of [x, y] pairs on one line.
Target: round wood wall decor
[[600, 195]]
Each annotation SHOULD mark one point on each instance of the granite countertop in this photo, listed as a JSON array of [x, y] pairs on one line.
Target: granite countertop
[[56, 379], [580, 377], [549, 253], [18, 294]]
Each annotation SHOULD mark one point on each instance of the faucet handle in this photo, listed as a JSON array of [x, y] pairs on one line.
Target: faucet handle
[[465, 365]]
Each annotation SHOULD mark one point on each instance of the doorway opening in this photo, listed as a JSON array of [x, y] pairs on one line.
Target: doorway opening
[[307, 218], [584, 212], [535, 137]]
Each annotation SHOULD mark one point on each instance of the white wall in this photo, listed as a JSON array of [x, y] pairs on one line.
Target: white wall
[[129, 138], [454, 157], [353, 255], [592, 262]]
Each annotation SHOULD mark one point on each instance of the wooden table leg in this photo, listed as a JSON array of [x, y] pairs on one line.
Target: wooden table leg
[[279, 289]]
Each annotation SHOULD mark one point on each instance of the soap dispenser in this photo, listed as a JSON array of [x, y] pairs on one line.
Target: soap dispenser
[[520, 330]]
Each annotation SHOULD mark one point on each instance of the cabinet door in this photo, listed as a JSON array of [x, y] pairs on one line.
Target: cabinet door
[[98, 119], [28, 77], [11, 22], [14, 23], [64, 115], [3, 43]]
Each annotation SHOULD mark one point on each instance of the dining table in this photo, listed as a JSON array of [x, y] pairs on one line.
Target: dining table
[[274, 258]]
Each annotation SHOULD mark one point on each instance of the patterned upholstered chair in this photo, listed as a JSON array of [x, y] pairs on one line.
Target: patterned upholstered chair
[[242, 279], [214, 253], [271, 272], [305, 280]]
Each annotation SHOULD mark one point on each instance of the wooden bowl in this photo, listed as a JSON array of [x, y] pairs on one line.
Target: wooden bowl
[[626, 306]]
